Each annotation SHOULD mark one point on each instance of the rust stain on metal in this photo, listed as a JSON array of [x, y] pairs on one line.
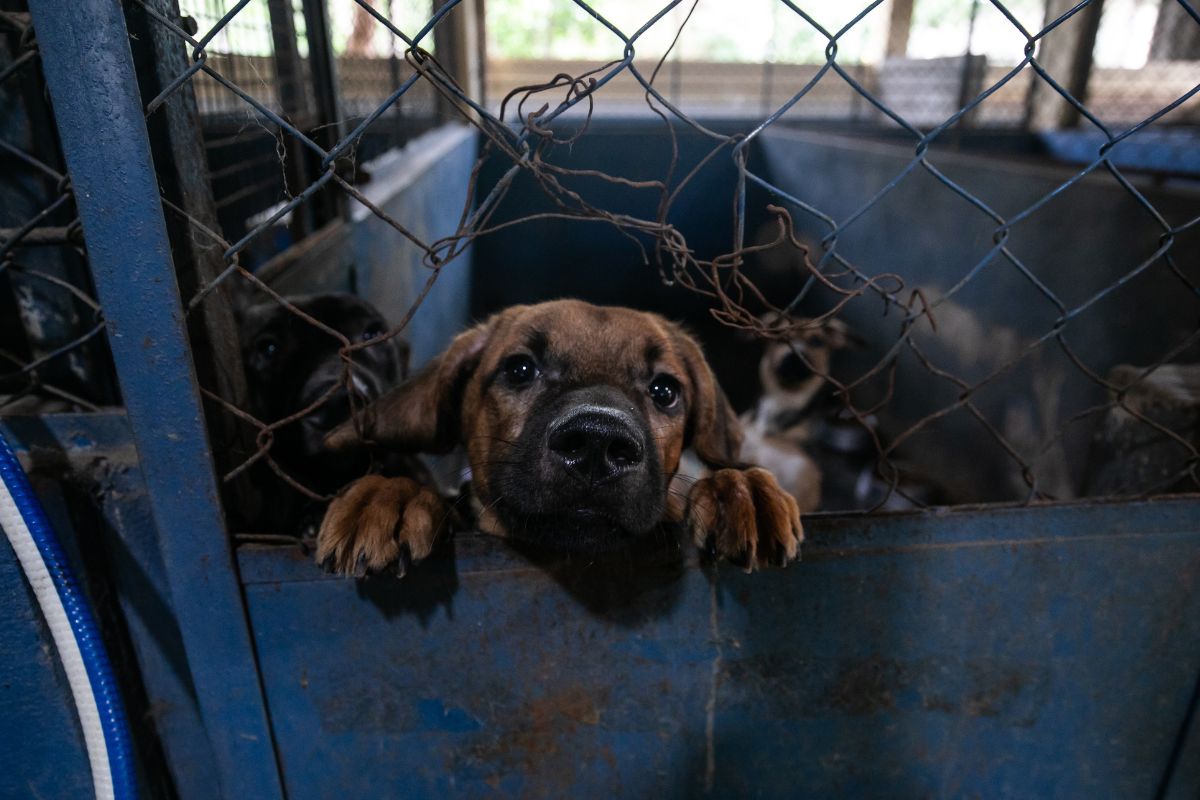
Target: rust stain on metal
[[866, 687], [991, 699], [536, 743]]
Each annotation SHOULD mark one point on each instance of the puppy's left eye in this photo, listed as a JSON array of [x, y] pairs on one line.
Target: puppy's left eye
[[266, 347], [664, 391], [520, 370]]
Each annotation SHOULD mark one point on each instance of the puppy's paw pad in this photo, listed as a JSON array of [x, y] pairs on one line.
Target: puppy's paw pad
[[379, 523], [744, 516]]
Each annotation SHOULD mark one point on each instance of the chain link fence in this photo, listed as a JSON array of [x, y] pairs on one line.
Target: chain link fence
[[1092, 427], [323, 67], [53, 354]]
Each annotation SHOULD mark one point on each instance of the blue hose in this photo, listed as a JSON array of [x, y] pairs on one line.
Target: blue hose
[[98, 703]]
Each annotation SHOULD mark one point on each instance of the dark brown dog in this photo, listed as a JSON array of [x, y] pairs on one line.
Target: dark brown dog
[[574, 418], [292, 366]]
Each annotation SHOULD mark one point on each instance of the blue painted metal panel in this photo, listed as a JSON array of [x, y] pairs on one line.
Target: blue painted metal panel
[[1165, 150], [545, 259], [1048, 652], [423, 187], [90, 76]]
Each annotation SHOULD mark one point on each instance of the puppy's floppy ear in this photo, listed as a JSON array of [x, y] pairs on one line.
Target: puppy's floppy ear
[[403, 351], [713, 430], [423, 414]]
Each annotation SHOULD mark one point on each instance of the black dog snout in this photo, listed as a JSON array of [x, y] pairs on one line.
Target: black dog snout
[[792, 371], [335, 403], [598, 444], [334, 409]]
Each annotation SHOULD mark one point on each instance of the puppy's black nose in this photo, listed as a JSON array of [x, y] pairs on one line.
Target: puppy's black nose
[[598, 445]]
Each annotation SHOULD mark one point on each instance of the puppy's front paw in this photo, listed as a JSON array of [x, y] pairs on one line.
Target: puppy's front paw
[[744, 516], [377, 523]]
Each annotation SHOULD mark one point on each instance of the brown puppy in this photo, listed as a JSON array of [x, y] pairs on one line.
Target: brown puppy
[[573, 417]]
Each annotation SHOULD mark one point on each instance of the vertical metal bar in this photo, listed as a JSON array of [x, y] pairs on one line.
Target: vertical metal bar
[[481, 51], [90, 75], [396, 137], [966, 80], [766, 89], [456, 45], [293, 100], [899, 25], [288, 71], [965, 91], [1067, 55], [676, 78], [321, 62], [447, 46], [1176, 37], [857, 106], [1081, 64], [181, 165], [329, 129]]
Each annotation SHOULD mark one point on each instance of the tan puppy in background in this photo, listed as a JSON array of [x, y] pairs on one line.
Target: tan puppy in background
[[777, 430], [573, 417]]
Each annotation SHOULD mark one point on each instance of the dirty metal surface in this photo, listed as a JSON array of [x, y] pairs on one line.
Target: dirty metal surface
[[1042, 652]]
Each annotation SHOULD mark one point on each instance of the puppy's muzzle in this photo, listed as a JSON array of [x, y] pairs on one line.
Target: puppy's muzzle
[[330, 388], [792, 372], [597, 444]]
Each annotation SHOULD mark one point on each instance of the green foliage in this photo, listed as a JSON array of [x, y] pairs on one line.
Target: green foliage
[[520, 29]]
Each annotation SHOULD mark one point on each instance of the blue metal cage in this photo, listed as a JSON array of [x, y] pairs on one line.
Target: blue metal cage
[[1005, 650]]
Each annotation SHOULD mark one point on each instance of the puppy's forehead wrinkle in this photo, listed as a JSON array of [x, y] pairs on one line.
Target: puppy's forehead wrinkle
[[589, 344], [537, 340]]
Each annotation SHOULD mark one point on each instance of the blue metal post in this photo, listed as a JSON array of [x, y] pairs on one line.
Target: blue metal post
[[90, 74]]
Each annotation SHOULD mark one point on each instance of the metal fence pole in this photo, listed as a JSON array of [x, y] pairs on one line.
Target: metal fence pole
[[90, 74], [899, 26], [1067, 55], [327, 128], [294, 101]]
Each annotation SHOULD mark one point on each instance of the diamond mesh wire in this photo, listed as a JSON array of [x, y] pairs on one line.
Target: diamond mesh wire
[[530, 125], [53, 356]]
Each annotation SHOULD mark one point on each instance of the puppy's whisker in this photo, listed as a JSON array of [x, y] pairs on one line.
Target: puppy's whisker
[[688, 479], [492, 504], [489, 437]]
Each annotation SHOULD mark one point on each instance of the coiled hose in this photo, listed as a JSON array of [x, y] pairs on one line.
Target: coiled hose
[[65, 609]]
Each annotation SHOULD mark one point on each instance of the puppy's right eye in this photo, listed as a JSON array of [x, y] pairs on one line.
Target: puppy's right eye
[[664, 391], [266, 347], [520, 370]]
